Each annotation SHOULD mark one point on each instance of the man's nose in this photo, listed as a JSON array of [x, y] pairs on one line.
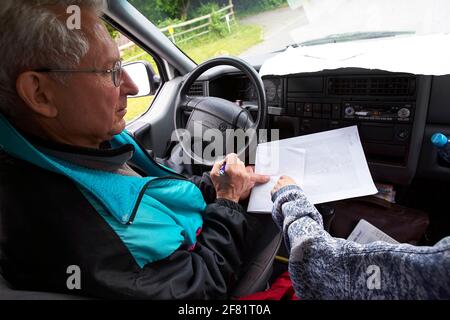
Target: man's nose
[[128, 87]]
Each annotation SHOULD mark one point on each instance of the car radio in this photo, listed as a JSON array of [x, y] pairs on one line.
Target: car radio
[[382, 106], [385, 127], [365, 111], [391, 112]]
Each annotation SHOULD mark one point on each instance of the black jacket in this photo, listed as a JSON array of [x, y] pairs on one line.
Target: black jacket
[[47, 225]]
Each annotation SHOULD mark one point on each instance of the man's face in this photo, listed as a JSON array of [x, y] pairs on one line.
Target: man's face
[[91, 108]]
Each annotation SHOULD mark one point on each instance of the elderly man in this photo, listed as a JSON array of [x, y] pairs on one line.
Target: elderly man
[[78, 193]]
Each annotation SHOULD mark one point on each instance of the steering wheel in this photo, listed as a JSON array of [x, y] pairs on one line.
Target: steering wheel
[[213, 118]]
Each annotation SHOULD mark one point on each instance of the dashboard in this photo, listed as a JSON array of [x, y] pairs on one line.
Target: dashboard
[[396, 113]]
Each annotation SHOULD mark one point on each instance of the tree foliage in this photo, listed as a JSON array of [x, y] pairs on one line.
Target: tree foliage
[[160, 10], [174, 8], [112, 32]]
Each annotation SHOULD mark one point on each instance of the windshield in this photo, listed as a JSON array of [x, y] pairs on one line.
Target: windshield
[[204, 29]]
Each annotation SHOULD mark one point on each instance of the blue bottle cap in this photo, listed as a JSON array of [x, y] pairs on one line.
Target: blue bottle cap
[[439, 140]]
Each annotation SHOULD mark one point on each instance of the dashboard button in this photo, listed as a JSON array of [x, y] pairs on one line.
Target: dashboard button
[[403, 134], [349, 111], [336, 111], [299, 109], [308, 111], [404, 113]]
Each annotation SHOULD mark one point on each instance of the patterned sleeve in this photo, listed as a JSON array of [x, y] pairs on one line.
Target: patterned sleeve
[[323, 267]]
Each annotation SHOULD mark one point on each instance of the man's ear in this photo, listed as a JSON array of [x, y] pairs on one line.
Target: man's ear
[[36, 91]]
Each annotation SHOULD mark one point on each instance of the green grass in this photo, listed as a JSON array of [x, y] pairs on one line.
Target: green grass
[[240, 39], [137, 106], [199, 50]]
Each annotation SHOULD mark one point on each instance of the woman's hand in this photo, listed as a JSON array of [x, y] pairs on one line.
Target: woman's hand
[[283, 181]]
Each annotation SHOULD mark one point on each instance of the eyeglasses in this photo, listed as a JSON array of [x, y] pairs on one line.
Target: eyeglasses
[[116, 72]]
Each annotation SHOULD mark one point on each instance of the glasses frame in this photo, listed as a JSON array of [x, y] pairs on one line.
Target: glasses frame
[[116, 71]]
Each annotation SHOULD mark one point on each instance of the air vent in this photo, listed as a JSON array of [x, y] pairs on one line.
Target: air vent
[[197, 89], [372, 86]]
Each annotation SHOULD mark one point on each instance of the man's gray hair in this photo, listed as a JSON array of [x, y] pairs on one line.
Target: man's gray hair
[[32, 37]]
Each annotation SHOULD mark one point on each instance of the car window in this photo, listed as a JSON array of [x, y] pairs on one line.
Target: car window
[[130, 52], [209, 28]]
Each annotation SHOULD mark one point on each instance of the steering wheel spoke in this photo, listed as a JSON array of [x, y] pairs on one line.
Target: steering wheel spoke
[[187, 103]]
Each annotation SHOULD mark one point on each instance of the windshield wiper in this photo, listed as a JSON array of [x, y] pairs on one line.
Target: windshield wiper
[[351, 36]]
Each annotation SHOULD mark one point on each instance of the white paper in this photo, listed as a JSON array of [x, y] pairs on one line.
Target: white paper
[[424, 54], [335, 167], [365, 232], [275, 161]]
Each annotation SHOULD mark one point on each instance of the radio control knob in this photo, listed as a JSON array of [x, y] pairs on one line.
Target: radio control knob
[[404, 113], [349, 111]]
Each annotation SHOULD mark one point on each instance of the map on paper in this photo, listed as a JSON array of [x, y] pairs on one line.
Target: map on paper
[[269, 162], [328, 166], [365, 232]]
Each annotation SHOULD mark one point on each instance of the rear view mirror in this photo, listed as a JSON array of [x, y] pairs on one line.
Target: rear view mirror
[[143, 75]]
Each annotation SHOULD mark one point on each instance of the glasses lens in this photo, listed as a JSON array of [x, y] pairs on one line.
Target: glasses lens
[[117, 73]]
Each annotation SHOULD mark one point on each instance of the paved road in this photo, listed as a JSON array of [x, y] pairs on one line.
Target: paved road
[[276, 25]]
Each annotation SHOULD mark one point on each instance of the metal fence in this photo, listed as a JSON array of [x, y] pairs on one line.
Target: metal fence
[[199, 26], [193, 28]]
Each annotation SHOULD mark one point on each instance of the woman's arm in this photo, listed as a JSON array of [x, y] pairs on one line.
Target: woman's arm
[[323, 267]]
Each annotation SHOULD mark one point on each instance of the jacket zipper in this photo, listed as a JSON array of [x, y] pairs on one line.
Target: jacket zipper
[[173, 176], [141, 194]]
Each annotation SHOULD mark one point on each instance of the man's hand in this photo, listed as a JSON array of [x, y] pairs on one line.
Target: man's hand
[[237, 181], [254, 179], [283, 181]]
